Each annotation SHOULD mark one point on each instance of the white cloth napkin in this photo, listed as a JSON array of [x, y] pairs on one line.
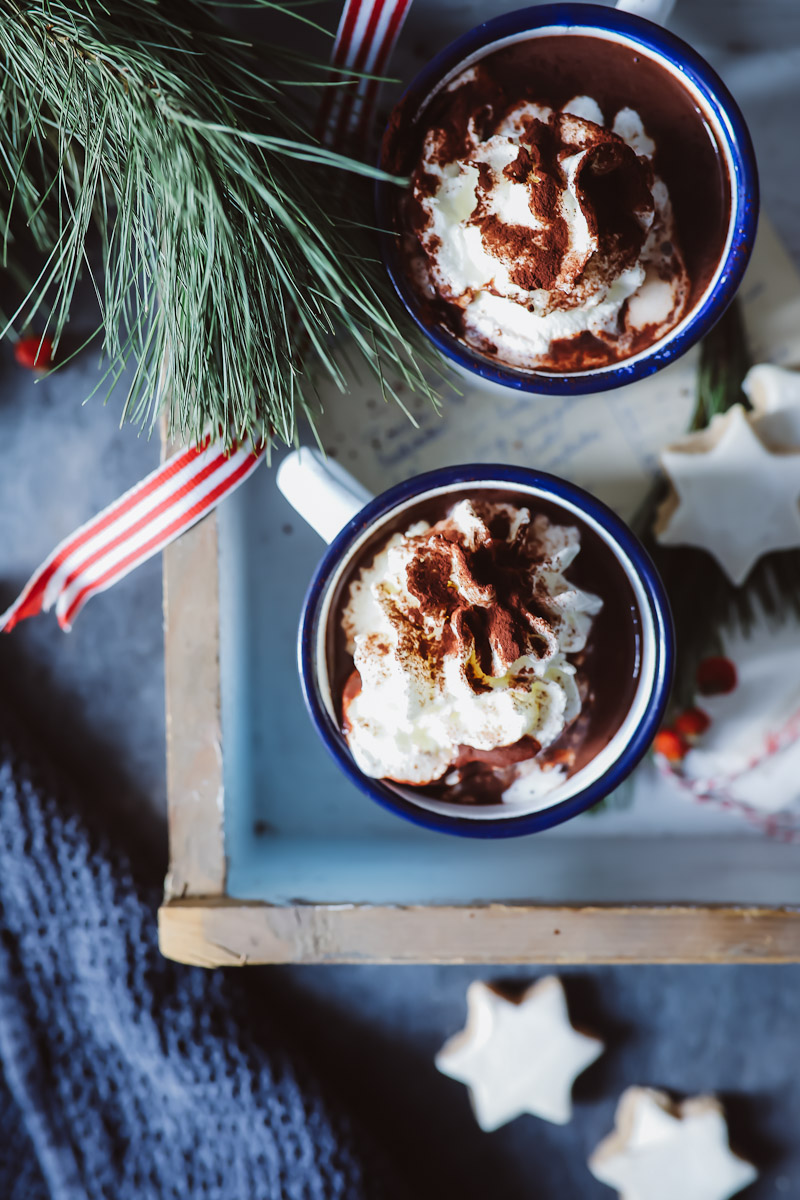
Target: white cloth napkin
[[750, 754]]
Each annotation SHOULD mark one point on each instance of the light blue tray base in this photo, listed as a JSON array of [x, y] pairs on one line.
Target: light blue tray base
[[297, 830], [320, 839], [618, 870]]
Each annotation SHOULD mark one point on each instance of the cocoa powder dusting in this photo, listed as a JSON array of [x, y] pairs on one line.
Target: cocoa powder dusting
[[427, 579], [545, 198], [520, 168], [506, 634], [508, 617], [483, 594], [613, 185], [537, 260], [615, 189]]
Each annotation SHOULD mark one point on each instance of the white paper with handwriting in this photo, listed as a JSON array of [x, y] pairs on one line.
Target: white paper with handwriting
[[608, 442]]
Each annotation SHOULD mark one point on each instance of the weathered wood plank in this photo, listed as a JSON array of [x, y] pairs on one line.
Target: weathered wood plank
[[194, 728], [225, 932]]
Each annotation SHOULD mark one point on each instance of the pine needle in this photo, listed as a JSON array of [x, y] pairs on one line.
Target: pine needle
[[227, 240]]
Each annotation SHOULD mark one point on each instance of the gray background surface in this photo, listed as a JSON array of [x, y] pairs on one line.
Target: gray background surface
[[95, 696]]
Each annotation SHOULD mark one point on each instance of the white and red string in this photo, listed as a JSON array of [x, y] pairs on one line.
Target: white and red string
[[717, 790], [192, 482]]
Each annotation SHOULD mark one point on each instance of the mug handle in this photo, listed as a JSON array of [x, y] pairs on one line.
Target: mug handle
[[321, 491], [653, 10]]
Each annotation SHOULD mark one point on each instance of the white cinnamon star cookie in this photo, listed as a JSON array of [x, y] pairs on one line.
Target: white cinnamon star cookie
[[663, 1150], [732, 495], [518, 1056]]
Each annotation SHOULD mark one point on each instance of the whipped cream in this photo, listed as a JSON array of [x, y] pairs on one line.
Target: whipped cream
[[460, 634], [547, 234]]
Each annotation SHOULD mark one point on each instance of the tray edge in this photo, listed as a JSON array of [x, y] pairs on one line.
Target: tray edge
[[195, 792], [201, 925], [217, 931]]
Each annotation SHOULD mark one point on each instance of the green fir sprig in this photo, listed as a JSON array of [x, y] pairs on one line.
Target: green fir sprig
[[233, 256]]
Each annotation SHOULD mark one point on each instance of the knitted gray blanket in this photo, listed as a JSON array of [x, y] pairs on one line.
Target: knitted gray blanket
[[127, 1076]]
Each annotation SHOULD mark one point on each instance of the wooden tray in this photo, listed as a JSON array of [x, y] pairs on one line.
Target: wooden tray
[[274, 855]]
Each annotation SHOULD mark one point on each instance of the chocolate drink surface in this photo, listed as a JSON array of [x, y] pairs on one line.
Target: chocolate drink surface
[[568, 203], [483, 646]]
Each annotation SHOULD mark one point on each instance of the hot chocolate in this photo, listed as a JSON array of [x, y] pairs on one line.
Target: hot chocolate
[[486, 647], [566, 206]]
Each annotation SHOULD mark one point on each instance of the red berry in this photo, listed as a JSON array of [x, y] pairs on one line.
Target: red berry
[[692, 723], [672, 745], [716, 676], [35, 353]]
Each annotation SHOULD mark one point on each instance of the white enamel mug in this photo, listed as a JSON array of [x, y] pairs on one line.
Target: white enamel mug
[[346, 516]]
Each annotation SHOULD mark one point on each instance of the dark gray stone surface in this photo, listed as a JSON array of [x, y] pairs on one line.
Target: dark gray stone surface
[[96, 693], [730, 1030]]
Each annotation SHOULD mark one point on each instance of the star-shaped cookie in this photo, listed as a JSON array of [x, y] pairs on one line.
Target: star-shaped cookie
[[518, 1056], [661, 1150], [732, 495], [774, 393]]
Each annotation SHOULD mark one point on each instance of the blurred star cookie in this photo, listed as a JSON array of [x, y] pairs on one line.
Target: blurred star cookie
[[663, 1150], [518, 1056]]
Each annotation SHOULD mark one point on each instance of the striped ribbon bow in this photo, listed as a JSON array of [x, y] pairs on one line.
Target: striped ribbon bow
[[191, 483], [131, 530]]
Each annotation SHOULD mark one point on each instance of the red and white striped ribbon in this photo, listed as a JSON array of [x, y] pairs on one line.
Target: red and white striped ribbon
[[367, 33], [193, 482], [132, 529]]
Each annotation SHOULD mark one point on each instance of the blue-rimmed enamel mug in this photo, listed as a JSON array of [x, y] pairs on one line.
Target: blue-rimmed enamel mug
[[347, 517], [715, 107]]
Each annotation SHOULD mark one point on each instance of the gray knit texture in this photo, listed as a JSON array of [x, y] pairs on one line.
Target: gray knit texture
[[127, 1076]]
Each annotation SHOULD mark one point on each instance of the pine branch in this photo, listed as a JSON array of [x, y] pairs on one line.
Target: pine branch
[[223, 248]]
